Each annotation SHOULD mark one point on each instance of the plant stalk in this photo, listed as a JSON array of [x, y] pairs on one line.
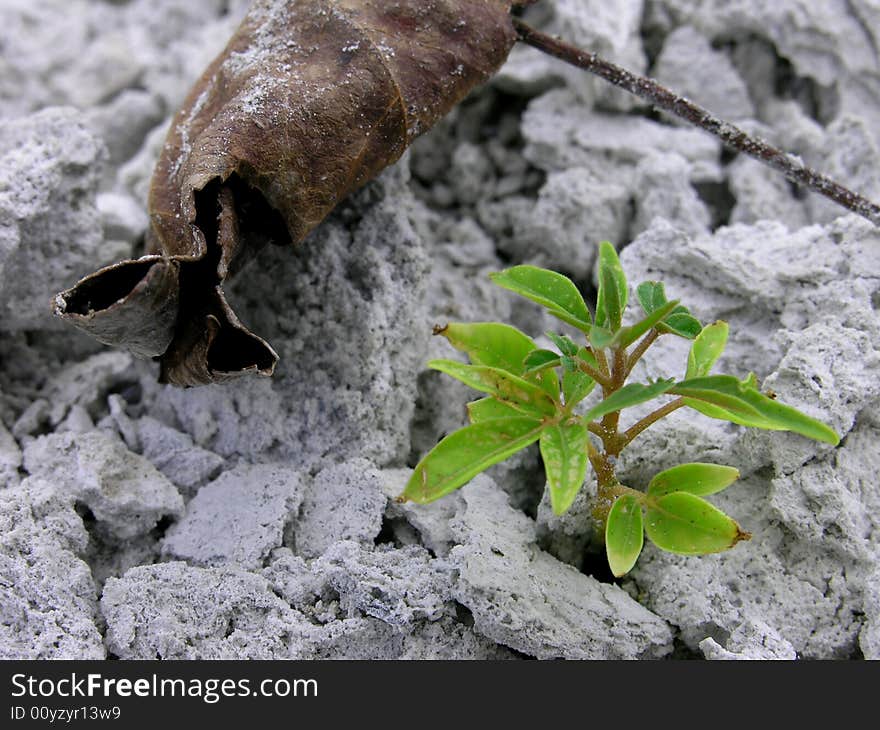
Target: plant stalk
[[633, 431], [660, 97]]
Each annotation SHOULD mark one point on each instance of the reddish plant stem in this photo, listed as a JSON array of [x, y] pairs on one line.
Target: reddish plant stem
[[791, 166]]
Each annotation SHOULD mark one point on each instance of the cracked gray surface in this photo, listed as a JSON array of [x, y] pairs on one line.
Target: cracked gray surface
[[256, 519]]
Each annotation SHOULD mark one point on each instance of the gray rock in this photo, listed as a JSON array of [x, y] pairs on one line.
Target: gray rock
[[10, 458], [560, 134], [238, 518], [173, 611], [566, 537], [349, 324], [525, 599], [123, 490], [809, 597], [575, 210], [832, 43], [48, 602], [750, 641], [610, 30], [123, 124], [86, 384], [430, 521], [397, 586], [667, 194], [49, 226], [690, 65], [174, 454], [343, 502]]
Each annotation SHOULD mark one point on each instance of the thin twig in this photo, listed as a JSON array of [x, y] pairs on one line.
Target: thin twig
[[636, 355], [789, 165], [633, 431]]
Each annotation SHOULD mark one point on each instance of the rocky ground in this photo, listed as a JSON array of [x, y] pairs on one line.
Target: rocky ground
[[254, 519]]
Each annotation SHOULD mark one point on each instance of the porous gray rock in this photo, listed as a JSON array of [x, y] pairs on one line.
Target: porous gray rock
[[238, 518], [560, 136], [48, 601], [124, 492], [807, 504], [10, 458], [49, 225], [342, 502], [346, 313], [832, 43], [610, 30], [524, 598], [668, 194], [575, 210], [172, 452], [689, 64], [174, 611]]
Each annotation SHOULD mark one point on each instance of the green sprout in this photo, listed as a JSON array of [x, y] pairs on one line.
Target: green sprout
[[534, 394]]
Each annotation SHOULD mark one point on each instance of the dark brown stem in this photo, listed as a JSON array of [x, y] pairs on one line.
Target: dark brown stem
[[633, 431], [789, 165]]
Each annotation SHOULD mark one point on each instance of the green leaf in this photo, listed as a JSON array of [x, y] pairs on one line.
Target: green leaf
[[697, 479], [565, 345], [628, 395], [564, 451], [681, 323], [538, 360], [488, 408], [554, 291], [601, 338], [685, 524], [706, 349], [496, 345], [651, 295], [527, 397], [626, 336], [613, 291], [624, 534], [576, 386], [465, 453], [728, 399]]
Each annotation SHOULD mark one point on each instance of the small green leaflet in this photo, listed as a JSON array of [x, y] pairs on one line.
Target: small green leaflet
[[698, 479], [613, 290], [564, 451], [465, 453], [496, 345], [488, 408], [628, 395], [513, 390], [685, 524], [554, 291], [726, 398], [538, 360], [565, 345], [706, 349], [651, 295], [576, 386], [624, 534], [682, 323], [626, 336], [601, 338]]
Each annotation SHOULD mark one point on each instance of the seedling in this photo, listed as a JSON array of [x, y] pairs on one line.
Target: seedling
[[536, 394]]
